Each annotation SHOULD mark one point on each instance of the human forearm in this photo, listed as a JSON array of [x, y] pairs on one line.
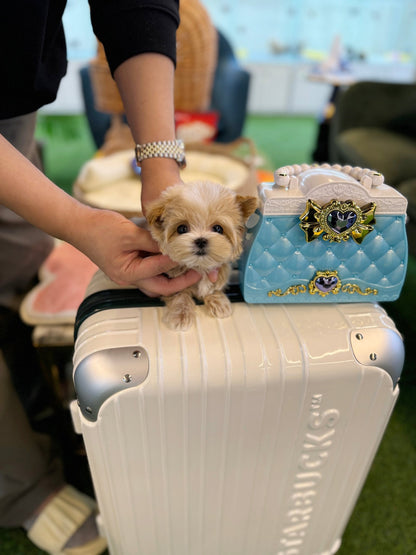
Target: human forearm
[[146, 86], [28, 192], [140, 43], [114, 243]]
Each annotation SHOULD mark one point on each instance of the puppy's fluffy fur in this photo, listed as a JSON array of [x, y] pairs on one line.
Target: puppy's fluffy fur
[[199, 226]]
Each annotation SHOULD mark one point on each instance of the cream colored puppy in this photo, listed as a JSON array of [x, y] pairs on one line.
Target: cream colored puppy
[[199, 226]]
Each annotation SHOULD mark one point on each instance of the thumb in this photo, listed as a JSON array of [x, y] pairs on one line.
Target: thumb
[[213, 275]]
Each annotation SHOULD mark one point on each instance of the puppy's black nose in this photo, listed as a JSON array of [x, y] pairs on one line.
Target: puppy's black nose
[[201, 244]]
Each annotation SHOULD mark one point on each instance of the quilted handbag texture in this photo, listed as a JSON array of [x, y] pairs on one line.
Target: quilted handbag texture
[[325, 234]]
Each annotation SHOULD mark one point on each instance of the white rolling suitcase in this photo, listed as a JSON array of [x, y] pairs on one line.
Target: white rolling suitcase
[[250, 435]]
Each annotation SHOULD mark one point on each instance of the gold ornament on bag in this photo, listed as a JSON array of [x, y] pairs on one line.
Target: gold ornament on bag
[[324, 283], [337, 221]]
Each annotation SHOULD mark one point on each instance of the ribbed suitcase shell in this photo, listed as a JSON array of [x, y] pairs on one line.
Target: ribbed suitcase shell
[[250, 435]]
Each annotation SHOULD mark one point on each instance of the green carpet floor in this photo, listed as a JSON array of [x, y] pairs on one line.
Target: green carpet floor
[[384, 519]]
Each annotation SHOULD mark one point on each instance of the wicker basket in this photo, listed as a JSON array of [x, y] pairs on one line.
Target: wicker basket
[[118, 137], [106, 95], [197, 45]]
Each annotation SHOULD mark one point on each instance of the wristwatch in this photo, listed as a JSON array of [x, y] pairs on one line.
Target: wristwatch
[[162, 149]]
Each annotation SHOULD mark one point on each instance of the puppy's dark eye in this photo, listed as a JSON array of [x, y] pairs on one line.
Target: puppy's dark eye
[[182, 229], [217, 229]]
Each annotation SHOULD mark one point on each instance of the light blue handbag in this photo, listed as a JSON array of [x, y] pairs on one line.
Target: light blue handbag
[[325, 234]]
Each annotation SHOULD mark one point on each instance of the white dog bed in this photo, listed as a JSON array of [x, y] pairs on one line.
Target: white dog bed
[[111, 182]]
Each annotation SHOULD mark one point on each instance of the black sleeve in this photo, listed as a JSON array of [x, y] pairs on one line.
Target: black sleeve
[[130, 27]]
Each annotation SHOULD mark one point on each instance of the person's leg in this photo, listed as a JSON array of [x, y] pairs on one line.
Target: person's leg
[[33, 493], [23, 248], [33, 389], [28, 470]]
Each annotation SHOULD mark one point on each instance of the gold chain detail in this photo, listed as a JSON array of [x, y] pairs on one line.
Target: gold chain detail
[[352, 288], [292, 290]]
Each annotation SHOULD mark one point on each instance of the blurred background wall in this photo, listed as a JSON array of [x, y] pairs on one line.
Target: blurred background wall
[[281, 43]]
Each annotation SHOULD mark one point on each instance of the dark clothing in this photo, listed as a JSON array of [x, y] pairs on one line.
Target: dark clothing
[[32, 64], [33, 51], [130, 27]]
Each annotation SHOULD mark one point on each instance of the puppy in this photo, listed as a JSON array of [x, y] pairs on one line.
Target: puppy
[[199, 226]]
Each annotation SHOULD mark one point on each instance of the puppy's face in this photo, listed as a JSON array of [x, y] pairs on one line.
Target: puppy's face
[[200, 225]]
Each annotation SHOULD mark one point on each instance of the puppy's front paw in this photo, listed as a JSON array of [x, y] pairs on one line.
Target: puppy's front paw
[[180, 312], [218, 305], [179, 320]]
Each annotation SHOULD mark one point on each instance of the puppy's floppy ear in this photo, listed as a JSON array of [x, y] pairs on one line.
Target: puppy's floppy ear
[[247, 205], [155, 215]]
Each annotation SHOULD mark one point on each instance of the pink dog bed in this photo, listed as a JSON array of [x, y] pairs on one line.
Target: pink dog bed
[[64, 277]]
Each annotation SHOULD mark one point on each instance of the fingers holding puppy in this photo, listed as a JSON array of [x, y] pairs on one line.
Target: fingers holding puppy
[[153, 280]]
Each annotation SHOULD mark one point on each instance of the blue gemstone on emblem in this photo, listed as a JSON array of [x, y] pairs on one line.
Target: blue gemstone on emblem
[[341, 221], [326, 284]]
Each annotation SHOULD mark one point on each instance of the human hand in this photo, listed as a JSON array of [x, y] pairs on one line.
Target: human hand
[[128, 255]]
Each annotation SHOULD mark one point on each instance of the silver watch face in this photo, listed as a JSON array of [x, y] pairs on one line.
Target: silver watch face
[[181, 161]]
